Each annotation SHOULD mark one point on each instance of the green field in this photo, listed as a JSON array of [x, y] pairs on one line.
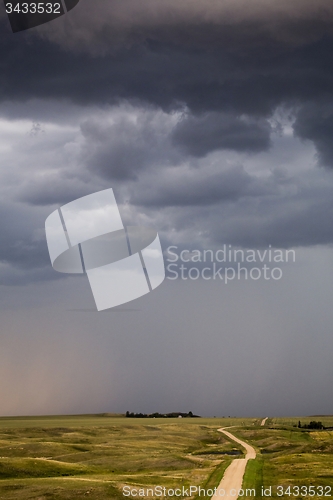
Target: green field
[[77, 457], [288, 456]]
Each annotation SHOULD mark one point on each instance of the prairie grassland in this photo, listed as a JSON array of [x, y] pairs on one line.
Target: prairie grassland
[[75, 457], [289, 456]]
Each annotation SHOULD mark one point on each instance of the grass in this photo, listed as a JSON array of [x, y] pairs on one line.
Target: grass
[[95, 456], [213, 480], [78, 457], [254, 477], [289, 456]]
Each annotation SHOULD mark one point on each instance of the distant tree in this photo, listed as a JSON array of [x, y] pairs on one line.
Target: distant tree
[[315, 425], [160, 415], [312, 425]]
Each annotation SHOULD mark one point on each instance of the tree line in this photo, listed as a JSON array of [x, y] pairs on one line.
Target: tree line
[[312, 425], [161, 415]]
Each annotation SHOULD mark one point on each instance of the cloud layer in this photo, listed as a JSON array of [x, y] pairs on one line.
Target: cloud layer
[[212, 121]]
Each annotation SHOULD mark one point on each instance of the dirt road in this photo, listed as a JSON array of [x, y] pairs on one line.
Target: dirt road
[[264, 421], [233, 477]]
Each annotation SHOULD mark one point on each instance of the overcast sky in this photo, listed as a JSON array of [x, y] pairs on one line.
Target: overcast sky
[[212, 121]]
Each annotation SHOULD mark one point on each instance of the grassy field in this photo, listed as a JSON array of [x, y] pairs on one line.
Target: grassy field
[[77, 457], [290, 457], [95, 456]]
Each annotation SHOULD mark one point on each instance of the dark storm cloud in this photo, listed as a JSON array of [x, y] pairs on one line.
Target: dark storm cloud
[[120, 149], [207, 209], [220, 62], [227, 68], [59, 192], [207, 62], [315, 122], [110, 22], [170, 76], [198, 188], [198, 135], [296, 221]]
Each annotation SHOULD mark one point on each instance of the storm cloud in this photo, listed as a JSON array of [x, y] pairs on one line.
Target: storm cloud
[[199, 135], [212, 122], [172, 55]]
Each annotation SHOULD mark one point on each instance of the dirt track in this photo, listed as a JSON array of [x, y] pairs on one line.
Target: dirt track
[[233, 477]]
